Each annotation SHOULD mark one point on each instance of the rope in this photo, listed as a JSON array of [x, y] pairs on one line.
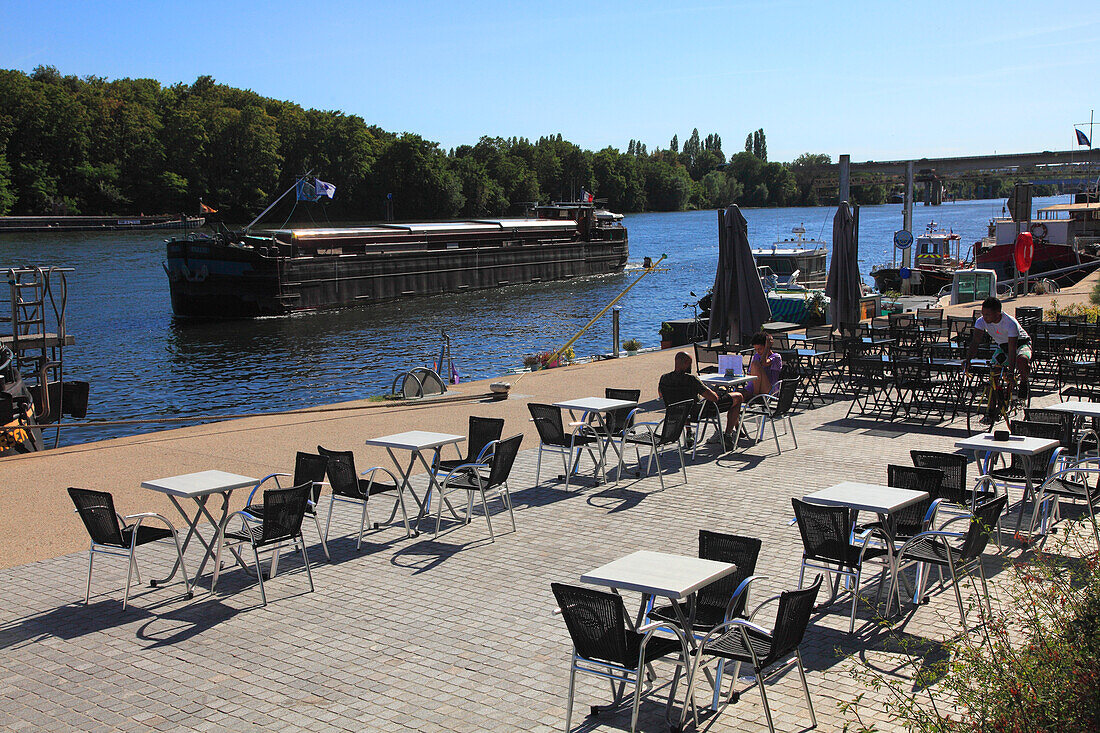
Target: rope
[[243, 415]]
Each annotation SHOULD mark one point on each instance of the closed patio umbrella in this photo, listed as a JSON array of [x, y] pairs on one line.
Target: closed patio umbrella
[[843, 285], [739, 307]]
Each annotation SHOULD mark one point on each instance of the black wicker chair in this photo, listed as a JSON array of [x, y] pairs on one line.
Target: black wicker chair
[[483, 431], [552, 437], [1064, 419], [1041, 463], [918, 517], [706, 358], [743, 641], [954, 488], [308, 467], [281, 522], [668, 433], [1073, 482], [113, 534], [827, 545], [490, 475], [604, 645], [727, 597], [933, 548], [348, 488], [772, 408]]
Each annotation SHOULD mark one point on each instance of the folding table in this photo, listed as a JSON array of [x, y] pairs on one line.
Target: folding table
[[597, 406], [416, 442], [199, 487]]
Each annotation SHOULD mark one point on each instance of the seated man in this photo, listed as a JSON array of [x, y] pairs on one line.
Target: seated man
[[680, 384], [1013, 345], [765, 365]]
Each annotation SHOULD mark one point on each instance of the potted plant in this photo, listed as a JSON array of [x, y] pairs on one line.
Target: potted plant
[[666, 335], [631, 346]]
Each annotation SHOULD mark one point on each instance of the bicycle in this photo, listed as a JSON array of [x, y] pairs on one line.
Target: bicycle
[[996, 401], [696, 331]]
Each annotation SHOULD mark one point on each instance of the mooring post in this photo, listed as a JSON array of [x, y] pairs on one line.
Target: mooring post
[[907, 225], [615, 331], [845, 177]]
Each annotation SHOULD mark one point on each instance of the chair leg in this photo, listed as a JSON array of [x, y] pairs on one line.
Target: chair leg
[[806, 688], [438, 512], [855, 600], [305, 559], [958, 593], [654, 454], [188, 591], [538, 466], [362, 525], [485, 508], [775, 434], [328, 522], [324, 543], [637, 700], [220, 539], [507, 496], [91, 558], [404, 513], [129, 575], [764, 698], [259, 574], [683, 463], [790, 427], [569, 696]]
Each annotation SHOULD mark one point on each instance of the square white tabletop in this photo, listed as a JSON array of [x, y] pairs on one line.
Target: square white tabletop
[[722, 379], [659, 574], [1016, 444], [1076, 407], [594, 404], [199, 484], [866, 497], [415, 440]]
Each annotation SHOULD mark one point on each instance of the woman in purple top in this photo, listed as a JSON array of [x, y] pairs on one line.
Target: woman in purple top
[[765, 365]]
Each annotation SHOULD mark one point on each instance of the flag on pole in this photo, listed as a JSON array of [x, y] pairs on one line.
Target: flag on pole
[[586, 198], [1082, 139], [204, 209], [323, 189], [304, 191]]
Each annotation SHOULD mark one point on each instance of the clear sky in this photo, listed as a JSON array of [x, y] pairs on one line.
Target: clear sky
[[879, 80]]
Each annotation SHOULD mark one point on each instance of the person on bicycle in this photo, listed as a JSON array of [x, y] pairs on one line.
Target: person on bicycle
[[1012, 343]]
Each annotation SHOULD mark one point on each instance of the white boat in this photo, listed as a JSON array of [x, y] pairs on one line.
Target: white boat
[[786, 257]]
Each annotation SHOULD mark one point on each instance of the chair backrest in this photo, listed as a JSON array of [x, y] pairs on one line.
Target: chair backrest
[[283, 512], [907, 521], [310, 467], [676, 417], [483, 430], [616, 419], [1047, 430], [341, 471], [930, 315], [97, 511], [824, 529], [791, 620], [781, 341], [706, 356], [952, 466], [549, 424], [740, 551], [1056, 417], [788, 389], [981, 526], [596, 621], [503, 457]]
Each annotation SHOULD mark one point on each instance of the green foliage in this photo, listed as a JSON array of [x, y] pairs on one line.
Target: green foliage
[[632, 345]]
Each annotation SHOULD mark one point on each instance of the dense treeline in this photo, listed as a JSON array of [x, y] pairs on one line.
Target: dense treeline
[[72, 145]]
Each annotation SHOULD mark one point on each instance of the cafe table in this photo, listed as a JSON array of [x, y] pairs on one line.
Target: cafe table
[[653, 574], [728, 383], [417, 442], [986, 447], [597, 407], [199, 487]]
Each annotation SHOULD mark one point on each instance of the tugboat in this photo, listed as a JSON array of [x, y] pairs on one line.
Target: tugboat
[[934, 264], [250, 273]]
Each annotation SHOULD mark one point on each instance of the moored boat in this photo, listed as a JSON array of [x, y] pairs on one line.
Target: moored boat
[[1065, 236], [98, 223], [798, 257], [934, 264]]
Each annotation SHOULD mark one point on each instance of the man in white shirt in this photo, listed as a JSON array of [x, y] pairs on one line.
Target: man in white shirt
[[1013, 345]]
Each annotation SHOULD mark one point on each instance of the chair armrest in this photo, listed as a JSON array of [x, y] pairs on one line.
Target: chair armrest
[[141, 517], [490, 448], [931, 533], [725, 626], [384, 470], [930, 515], [742, 587], [245, 517], [248, 501], [763, 603], [467, 468]]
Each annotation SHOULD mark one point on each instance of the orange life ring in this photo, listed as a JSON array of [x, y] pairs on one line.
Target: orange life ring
[[1039, 230], [1025, 250]]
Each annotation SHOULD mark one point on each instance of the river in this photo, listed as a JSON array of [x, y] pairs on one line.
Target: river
[[142, 362]]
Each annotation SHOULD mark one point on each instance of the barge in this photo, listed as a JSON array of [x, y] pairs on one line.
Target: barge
[[98, 223], [277, 272]]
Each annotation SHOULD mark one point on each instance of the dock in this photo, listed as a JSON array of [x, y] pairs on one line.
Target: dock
[[454, 634]]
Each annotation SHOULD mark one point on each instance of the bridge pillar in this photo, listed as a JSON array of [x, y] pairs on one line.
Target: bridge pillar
[[844, 191], [928, 193], [937, 192]]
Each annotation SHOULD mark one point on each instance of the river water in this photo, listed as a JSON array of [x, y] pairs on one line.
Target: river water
[[142, 362]]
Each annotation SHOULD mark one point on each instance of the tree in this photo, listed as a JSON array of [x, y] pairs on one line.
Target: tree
[[674, 146], [806, 169], [759, 145]]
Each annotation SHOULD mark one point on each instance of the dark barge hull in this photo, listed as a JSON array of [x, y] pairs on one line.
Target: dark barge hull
[[216, 278]]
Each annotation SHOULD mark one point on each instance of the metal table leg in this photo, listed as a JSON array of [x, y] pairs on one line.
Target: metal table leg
[[192, 531]]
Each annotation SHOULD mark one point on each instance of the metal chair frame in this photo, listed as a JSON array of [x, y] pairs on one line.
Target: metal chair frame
[[312, 505], [772, 408], [364, 499], [654, 436], [480, 482], [571, 453]]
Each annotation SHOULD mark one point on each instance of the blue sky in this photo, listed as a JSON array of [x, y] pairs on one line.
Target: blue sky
[[879, 80]]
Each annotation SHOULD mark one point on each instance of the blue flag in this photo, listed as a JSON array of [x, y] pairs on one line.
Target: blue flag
[[1081, 138], [305, 191]]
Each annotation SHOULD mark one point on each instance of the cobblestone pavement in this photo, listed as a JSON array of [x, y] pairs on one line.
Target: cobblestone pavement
[[450, 635]]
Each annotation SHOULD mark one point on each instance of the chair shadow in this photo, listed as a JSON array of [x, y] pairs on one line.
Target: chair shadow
[[71, 621], [851, 424], [428, 553], [185, 623], [619, 498]]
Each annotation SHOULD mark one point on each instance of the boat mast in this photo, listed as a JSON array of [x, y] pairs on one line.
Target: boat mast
[[263, 213]]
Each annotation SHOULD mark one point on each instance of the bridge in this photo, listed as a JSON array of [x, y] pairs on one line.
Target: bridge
[[1074, 168]]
